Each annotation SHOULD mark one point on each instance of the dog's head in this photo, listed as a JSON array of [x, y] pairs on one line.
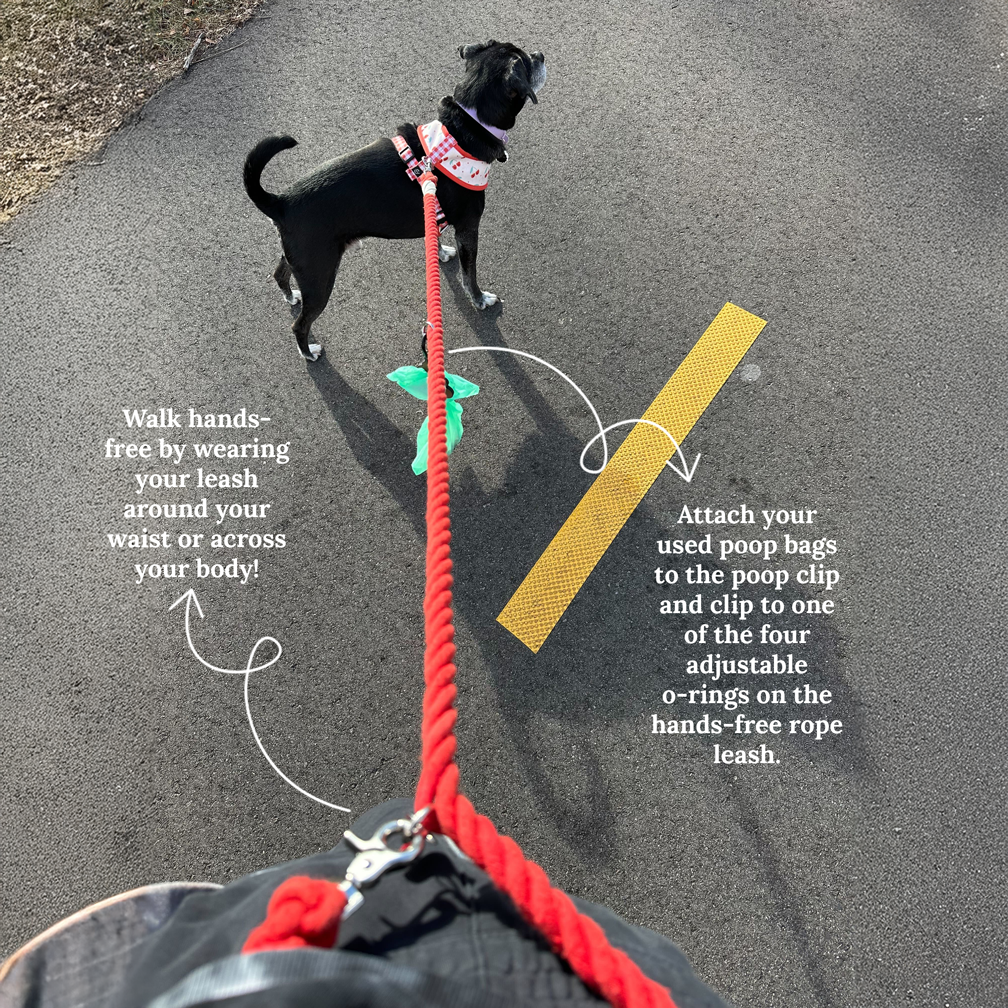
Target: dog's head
[[499, 79]]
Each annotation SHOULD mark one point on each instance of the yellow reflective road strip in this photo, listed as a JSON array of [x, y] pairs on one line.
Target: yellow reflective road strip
[[558, 574]]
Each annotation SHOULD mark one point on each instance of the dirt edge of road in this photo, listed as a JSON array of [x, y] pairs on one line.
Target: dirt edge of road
[[74, 71]]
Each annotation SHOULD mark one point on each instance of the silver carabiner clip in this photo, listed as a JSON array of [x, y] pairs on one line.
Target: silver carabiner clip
[[376, 856]]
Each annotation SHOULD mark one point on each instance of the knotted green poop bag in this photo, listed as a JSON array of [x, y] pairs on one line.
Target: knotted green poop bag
[[414, 380]]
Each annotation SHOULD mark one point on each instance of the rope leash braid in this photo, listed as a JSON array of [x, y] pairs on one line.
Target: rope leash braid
[[572, 935], [304, 911]]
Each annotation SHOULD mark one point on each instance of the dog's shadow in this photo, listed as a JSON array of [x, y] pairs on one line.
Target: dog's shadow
[[377, 444]]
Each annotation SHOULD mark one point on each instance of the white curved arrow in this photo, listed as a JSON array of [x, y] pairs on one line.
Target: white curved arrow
[[687, 470], [190, 599]]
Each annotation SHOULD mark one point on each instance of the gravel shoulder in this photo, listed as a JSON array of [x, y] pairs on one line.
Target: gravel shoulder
[[73, 71]]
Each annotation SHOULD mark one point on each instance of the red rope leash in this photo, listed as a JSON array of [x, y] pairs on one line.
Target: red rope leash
[[302, 911], [307, 911], [577, 938]]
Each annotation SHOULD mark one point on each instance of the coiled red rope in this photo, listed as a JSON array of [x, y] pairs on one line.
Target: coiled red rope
[[302, 911], [306, 911]]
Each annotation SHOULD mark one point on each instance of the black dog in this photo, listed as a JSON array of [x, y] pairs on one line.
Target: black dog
[[368, 193]]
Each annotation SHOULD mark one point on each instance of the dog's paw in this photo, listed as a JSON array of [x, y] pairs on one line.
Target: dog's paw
[[294, 298], [446, 252], [314, 352], [486, 300], [355, 246]]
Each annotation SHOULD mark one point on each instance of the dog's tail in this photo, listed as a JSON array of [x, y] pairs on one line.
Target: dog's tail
[[269, 203]]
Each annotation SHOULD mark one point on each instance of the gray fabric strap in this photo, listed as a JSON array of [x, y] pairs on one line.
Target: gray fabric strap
[[79, 960], [348, 972]]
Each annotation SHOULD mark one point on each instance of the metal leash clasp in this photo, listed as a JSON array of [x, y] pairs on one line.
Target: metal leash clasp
[[427, 179], [376, 855]]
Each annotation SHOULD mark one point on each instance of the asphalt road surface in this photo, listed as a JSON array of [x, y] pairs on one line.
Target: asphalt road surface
[[838, 169]]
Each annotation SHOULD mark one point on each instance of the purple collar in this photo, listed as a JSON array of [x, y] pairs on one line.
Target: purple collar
[[499, 133]]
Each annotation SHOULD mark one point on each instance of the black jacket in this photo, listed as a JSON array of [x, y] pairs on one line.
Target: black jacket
[[436, 934]]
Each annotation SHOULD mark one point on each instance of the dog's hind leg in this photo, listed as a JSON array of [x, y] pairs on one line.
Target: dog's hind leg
[[282, 275], [316, 286]]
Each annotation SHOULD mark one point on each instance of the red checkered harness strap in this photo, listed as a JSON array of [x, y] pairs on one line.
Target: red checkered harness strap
[[414, 169], [445, 153]]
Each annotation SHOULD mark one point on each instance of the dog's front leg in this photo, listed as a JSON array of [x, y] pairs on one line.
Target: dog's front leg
[[445, 252], [468, 246]]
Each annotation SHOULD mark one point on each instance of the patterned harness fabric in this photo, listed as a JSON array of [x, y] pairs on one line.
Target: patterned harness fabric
[[444, 151]]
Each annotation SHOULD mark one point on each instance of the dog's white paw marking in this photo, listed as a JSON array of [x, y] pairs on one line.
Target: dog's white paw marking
[[446, 252], [355, 246], [295, 297], [315, 349], [486, 300]]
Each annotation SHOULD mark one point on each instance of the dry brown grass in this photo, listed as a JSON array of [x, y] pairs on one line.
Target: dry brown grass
[[72, 70]]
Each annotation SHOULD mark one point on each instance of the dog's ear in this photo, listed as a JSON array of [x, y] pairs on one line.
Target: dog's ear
[[468, 51], [517, 80]]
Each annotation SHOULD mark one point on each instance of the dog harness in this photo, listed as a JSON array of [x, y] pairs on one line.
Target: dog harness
[[443, 152]]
